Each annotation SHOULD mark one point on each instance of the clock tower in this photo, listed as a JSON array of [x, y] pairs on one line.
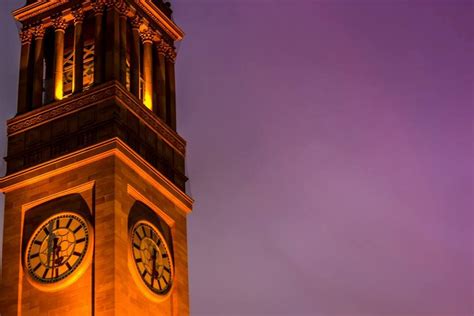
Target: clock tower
[[95, 202]]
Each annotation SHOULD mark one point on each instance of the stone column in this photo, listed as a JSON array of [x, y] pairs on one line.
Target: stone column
[[123, 9], [24, 89], [99, 56], [78, 70], [60, 26], [112, 42], [171, 93], [160, 79], [135, 57], [38, 67], [147, 39]]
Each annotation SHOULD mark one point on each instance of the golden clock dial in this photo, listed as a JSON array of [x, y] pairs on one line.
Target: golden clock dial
[[152, 258], [57, 248]]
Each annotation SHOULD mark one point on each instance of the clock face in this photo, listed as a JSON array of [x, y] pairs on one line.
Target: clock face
[[57, 248], [152, 258]]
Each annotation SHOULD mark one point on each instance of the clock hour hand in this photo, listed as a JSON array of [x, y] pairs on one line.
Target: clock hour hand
[[153, 258]]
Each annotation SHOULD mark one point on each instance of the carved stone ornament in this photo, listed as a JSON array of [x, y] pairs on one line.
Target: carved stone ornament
[[123, 8], [163, 47], [26, 36], [172, 55], [98, 7], [147, 36], [39, 31], [78, 15], [113, 3], [59, 24], [136, 22], [66, 106]]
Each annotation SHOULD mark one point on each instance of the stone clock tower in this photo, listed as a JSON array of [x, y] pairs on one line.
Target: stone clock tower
[[95, 202]]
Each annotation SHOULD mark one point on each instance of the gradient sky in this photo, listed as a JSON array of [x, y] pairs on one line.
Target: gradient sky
[[330, 153]]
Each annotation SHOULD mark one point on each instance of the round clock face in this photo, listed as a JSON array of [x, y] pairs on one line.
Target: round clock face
[[152, 259], [57, 248]]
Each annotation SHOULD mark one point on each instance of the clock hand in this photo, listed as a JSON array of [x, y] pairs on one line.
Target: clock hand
[[154, 272], [50, 241]]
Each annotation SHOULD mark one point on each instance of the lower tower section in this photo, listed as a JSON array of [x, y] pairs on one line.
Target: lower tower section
[[96, 232]]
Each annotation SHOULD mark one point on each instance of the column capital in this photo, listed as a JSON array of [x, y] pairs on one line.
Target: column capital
[[113, 3], [167, 50], [136, 22], [26, 36], [60, 24], [147, 36], [172, 55], [123, 8], [78, 14], [39, 31], [163, 47], [98, 6]]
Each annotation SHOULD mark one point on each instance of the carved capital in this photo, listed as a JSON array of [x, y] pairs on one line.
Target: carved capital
[[26, 35], [39, 31], [147, 36], [98, 7], [123, 8], [59, 24], [113, 3], [171, 55], [136, 22], [78, 15], [163, 47]]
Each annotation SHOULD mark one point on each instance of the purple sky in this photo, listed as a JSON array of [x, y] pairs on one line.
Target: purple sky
[[330, 153]]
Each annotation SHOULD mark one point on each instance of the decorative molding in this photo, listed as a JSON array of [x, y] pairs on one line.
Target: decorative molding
[[35, 9], [161, 19], [60, 108], [168, 135], [88, 98], [113, 147]]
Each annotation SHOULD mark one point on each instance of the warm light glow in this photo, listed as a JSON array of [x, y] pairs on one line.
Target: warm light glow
[[58, 90], [147, 99]]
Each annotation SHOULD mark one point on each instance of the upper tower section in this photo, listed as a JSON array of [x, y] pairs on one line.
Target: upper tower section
[[95, 70]]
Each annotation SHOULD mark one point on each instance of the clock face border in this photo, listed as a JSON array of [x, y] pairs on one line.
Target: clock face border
[[149, 293], [78, 271]]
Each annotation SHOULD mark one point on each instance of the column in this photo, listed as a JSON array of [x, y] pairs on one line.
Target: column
[[147, 39], [112, 42], [24, 89], [98, 7], [37, 97], [135, 57], [123, 9], [49, 55], [160, 79], [59, 25], [78, 69], [171, 93]]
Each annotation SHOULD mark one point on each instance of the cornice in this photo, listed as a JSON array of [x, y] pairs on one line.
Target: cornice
[[154, 13], [160, 18], [91, 97], [110, 148], [35, 9]]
